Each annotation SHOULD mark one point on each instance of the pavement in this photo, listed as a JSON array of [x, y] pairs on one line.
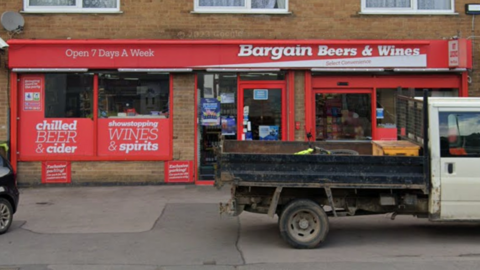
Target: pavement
[[179, 228]]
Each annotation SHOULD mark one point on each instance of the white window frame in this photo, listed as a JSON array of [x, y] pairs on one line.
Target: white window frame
[[413, 10], [78, 8], [245, 9]]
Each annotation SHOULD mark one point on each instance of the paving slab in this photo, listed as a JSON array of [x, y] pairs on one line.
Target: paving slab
[[198, 267], [102, 267], [104, 209], [424, 265], [185, 235], [357, 239]]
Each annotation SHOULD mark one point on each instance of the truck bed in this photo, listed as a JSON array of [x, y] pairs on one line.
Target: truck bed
[[266, 163]]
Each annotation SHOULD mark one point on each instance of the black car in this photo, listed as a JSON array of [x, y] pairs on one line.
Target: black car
[[9, 195]]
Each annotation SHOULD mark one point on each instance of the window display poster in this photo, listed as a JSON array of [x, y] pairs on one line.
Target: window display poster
[[380, 113], [52, 137], [228, 98], [134, 138], [268, 133], [58, 172], [178, 172], [229, 126], [32, 91], [210, 112], [260, 94]]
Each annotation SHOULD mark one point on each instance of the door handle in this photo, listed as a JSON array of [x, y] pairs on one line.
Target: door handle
[[450, 168]]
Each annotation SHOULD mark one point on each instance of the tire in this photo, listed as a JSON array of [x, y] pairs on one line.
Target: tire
[[6, 215], [303, 224]]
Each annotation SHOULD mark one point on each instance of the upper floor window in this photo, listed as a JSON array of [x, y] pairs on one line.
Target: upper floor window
[[408, 6], [241, 6], [72, 6]]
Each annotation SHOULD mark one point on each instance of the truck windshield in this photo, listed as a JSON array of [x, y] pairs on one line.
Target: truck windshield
[[460, 134]]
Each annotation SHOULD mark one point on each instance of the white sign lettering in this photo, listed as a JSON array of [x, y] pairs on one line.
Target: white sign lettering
[[111, 54], [277, 53], [56, 135], [453, 53], [133, 136]]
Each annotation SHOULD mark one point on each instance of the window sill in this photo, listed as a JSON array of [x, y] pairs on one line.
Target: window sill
[[69, 12], [410, 13], [250, 12]]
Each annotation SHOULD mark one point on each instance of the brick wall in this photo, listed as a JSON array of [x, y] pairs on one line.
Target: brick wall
[[183, 117], [98, 173], [4, 98], [300, 104], [172, 19]]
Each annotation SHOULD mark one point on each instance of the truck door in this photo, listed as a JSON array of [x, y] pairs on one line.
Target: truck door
[[460, 164]]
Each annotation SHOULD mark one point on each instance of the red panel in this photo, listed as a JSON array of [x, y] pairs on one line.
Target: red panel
[[54, 137], [350, 81], [95, 113], [385, 134], [419, 81], [464, 89], [309, 107], [388, 81], [179, 172], [48, 138], [56, 172], [13, 121], [291, 106], [236, 53], [134, 138]]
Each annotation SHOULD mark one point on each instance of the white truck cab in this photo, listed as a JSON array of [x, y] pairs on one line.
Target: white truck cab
[[454, 133]]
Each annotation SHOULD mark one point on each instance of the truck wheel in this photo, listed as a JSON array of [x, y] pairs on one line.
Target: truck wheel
[[303, 224], [6, 215]]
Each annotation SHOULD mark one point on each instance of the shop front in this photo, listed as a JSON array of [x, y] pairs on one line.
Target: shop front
[[152, 111]]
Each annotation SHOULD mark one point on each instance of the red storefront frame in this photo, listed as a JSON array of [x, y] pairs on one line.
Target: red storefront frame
[[353, 84], [288, 108], [263, 85], [249, 54]]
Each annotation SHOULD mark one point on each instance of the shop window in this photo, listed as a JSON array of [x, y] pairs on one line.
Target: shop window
[[343, 117], [386, 115], [68, 95], [217, 117], [254, 76], [74, 6], [460, 134], [241, 6], [133, 95], [388, 126], [408, 6]]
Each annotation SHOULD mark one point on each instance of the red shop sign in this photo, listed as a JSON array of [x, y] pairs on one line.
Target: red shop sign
[[134, 137], [232, 54], [56, 172], [179, 172]]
